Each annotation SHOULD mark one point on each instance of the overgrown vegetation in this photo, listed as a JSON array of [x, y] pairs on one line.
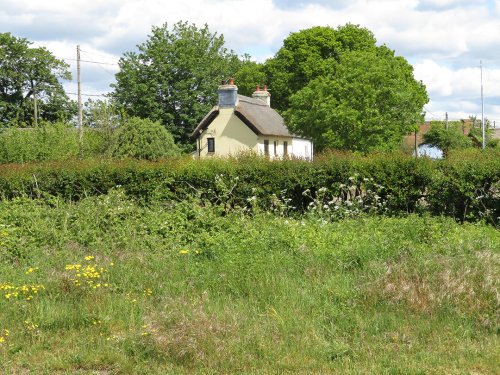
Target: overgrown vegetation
[[464, 186], [48, 142], [111, 285], [133, 138], [348, 264]]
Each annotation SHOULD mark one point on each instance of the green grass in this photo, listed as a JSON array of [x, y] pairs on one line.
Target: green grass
[[194, 289]]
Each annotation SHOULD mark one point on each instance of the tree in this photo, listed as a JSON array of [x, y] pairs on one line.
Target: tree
[[29, 84], [174, 76], [309, 54], [447, 139], [249, 75], [369, 103], [104, 119]]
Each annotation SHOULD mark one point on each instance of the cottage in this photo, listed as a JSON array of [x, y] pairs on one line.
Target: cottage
[[239, 123]]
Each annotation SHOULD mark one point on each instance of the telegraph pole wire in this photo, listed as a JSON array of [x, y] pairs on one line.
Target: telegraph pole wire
[[80, 111], [91, 61], [482, 107]]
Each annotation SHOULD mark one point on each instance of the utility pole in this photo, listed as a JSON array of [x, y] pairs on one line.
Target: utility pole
[[35, 105], [483, 125], [415, 145], [80, 119], [446, 121]]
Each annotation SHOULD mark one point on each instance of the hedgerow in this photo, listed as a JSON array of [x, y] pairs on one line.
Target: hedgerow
[[465, 185]]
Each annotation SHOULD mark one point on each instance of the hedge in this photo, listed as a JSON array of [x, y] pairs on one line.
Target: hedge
[[465, 185]]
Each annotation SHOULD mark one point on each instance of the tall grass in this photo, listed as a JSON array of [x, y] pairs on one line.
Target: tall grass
[[186, 288]]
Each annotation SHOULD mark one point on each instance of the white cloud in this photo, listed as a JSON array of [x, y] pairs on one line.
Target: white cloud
[[448, 3], [458, 91], [444, 39]]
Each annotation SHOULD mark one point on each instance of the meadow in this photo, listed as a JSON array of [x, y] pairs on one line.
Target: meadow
[[112, 284]]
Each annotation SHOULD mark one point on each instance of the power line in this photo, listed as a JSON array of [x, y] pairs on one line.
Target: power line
[[106, 70], [80, 109], [91, 62], [75, 93], [98, 54], [431, 113]]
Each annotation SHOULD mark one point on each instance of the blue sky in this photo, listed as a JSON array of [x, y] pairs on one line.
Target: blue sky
[[443, 39]]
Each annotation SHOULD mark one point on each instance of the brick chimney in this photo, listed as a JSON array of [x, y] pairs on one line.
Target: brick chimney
[[228, 94], [263, 95]]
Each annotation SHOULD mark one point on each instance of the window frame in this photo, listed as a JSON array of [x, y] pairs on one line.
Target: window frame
[[266, 147], [211, 145]]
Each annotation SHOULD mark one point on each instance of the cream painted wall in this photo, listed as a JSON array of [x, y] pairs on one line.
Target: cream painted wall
[[231, 135]]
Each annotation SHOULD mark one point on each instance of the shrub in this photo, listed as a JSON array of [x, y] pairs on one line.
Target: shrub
[[144, 139], [465, 186], [447, 139], [48, 142]]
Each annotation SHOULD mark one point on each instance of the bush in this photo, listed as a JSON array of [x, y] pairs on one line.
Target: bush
[[447, 139], [137, 138], [144, 139], [465, 186], [48, 142]]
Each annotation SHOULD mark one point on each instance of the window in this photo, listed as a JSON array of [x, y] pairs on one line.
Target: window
[[266, 147], [285, 148], [211, 144], [275, 148]]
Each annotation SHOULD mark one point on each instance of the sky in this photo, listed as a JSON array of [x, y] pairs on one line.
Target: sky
[[444, 40]]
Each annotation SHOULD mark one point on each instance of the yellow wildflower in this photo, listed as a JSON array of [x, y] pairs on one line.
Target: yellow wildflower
[[31, 270]]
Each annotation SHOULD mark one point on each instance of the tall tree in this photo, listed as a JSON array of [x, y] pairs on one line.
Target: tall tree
[[449, 138], [249, 75], [311, 53], [173, 77], [369, 103], [29, 84]]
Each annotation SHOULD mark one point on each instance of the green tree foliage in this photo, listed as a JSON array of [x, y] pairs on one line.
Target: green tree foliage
[[101, 114], [311, 53], [173, 77], [28, 74], [144, 139], [249, 75], [103, 118], [447, 139], [369, 103]]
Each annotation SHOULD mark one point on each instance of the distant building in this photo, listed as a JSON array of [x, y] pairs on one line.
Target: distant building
[[239, 124], [416, 140]]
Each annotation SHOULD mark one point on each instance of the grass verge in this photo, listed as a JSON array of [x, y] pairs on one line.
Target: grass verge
[[106, 285]]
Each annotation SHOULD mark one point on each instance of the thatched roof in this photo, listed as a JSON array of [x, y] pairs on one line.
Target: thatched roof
[[254, 113]]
